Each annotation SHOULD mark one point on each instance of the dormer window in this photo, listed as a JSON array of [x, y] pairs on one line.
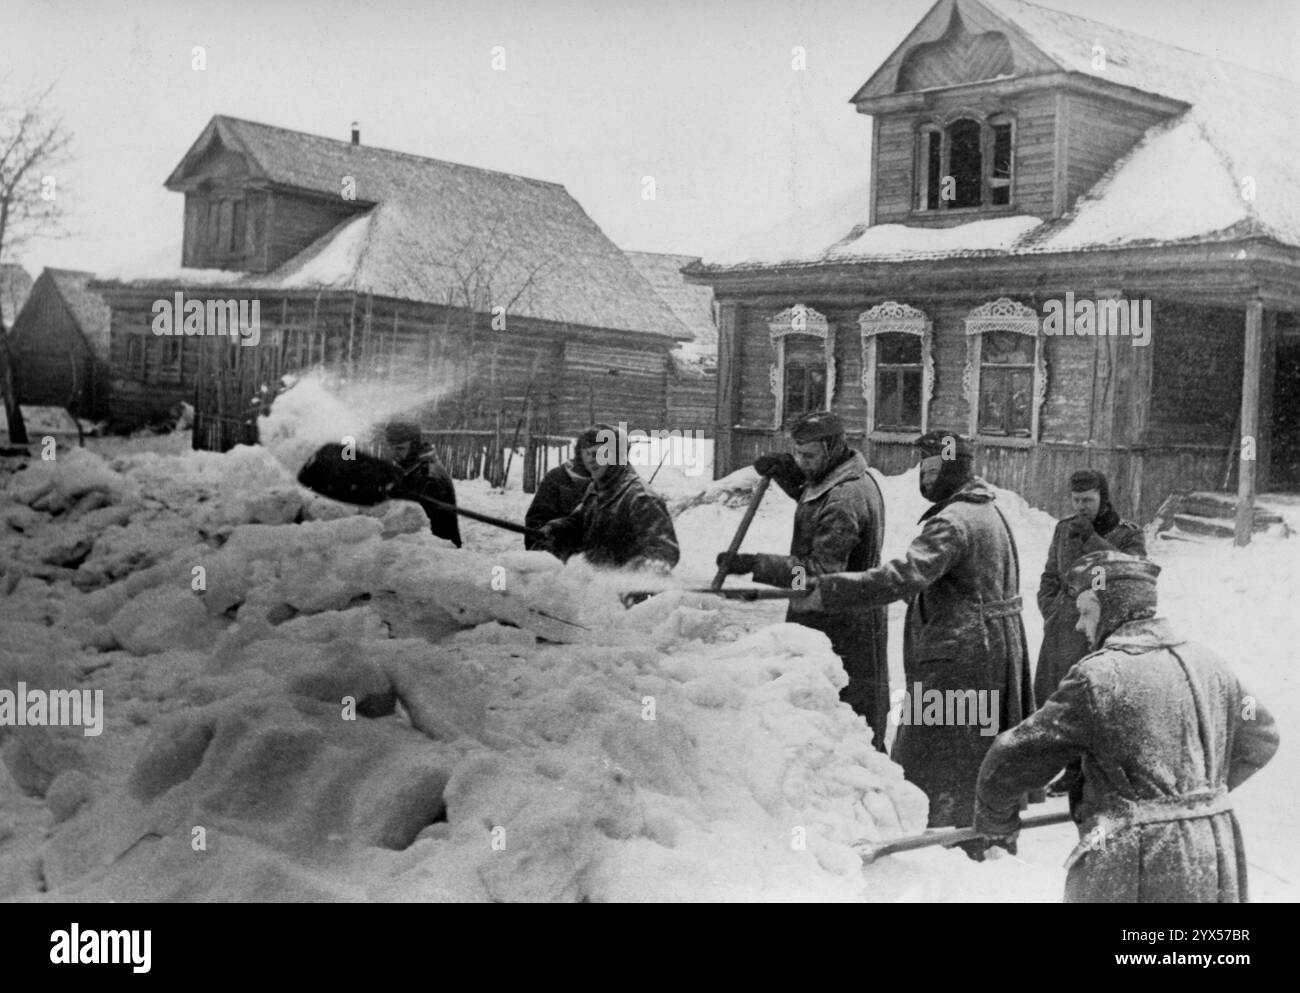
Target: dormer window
[[965, 163], [225, 227]]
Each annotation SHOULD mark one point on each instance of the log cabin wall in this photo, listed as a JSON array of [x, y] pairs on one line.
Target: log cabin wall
[[467, 375], [143, 386], [608, 382], [692, 400]]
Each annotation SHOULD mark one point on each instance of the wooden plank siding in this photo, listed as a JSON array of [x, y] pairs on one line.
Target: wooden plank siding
[[1099, 132], [52, 364], [293, 222]]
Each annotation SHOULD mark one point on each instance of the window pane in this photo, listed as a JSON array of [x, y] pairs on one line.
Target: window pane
[[1006, 348], [816, 395], [911, 413], [888, 398], [794, 386], [237, 228], [1000, 179], [931, 147], [964, 162], [898, 349], [1021, 385], [993, 397]]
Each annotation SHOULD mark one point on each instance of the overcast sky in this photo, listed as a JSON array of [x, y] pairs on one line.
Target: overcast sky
[[699, 94]]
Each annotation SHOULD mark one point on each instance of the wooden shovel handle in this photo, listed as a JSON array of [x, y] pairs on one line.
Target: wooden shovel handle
[[954, 837], [745, 521]]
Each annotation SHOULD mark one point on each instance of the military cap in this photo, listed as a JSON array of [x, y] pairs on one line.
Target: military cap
[[816, 426], [945, 443], [402, 431], [1114, 567]]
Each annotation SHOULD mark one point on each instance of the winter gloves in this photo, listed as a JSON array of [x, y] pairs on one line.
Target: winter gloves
[[741, 563], [783, 469]]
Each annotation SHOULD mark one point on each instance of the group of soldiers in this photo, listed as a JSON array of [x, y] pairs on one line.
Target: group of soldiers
[[1143, 731]]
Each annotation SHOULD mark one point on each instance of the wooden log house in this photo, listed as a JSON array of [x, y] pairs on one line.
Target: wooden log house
[[59, 345], [1025, 160], [495, 294]]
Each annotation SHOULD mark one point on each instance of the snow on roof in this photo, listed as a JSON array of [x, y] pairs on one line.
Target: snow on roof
[[161, 265], [439, 226], [692, 304], [885, 241], [1183, 181], [1195, 195]]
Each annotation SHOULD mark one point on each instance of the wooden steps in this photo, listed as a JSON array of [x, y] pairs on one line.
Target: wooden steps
[[1207, 515]]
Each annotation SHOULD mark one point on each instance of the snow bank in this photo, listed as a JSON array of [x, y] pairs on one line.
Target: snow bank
[[350, 708]]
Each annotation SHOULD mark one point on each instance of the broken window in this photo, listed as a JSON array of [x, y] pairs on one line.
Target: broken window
[[966, 164]]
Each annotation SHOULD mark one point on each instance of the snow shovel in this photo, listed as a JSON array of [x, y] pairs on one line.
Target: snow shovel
[[948, 839], [366, 480], [735, 593]]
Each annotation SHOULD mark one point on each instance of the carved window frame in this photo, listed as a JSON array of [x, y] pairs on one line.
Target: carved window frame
[[892, 317], [801, 320], [1003, 314]]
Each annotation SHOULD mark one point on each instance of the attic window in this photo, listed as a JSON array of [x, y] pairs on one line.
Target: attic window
[[966, 163]]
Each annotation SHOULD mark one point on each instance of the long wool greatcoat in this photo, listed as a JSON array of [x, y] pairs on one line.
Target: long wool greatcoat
[[619, 522], [1062, 644], [839, 526], [1164, 731], [964, 632]]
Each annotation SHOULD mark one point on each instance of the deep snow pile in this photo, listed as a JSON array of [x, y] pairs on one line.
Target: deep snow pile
[[306, 702]]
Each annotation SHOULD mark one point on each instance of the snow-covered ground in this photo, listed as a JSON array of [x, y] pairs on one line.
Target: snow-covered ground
[[688, 749]]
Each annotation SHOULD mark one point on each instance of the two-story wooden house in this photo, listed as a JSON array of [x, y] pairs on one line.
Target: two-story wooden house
[[494, 294], [1076, 245]]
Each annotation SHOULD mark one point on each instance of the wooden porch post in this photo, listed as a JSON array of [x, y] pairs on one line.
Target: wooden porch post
[[1250, 378], [728, 400]]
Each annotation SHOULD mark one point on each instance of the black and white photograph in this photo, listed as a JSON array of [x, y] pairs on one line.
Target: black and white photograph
[[692, 451]]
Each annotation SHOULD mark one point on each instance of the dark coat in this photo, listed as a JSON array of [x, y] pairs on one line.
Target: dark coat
[[839, 526], [424, 476], [619, 522], [559, 492], [1062, 645], [964, 632], [1164, 731]]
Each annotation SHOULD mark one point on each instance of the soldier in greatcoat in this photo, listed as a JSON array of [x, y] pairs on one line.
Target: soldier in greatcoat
[[1163, 730], [964, 634], [839, 526]]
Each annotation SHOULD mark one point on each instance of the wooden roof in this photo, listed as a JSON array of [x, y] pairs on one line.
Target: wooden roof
[[90, 313], [692, 304], [436, 227]]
